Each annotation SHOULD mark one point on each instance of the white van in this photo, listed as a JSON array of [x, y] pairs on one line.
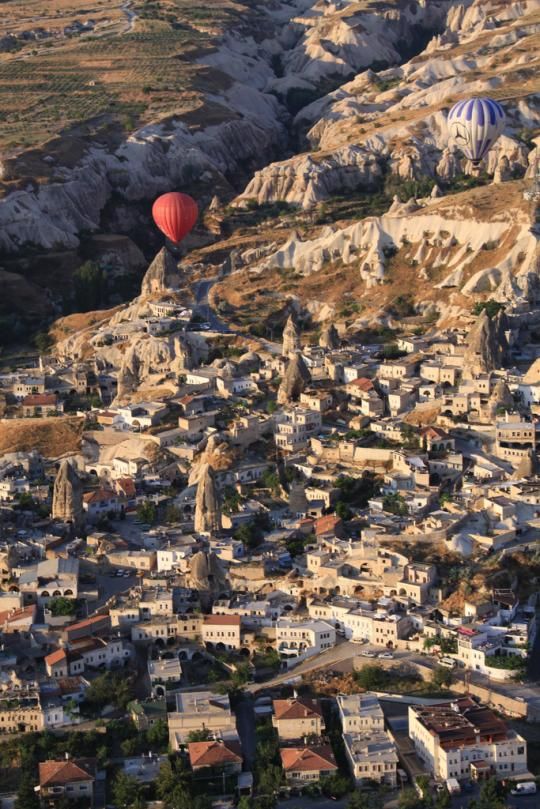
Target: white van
[[447, 662], [524, 788]]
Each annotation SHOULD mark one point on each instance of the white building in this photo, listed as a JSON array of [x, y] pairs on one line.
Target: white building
[[295, 641], [360, 713], [165, 675], [463, 739], [372, 756], [293, 428]]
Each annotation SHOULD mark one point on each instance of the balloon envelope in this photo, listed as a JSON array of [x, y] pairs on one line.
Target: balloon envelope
[[175, 214], [474, 125]]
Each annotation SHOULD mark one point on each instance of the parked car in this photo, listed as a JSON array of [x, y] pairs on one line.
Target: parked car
[[367, 653], [386, 655]]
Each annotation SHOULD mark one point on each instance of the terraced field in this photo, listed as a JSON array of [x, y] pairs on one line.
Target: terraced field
[[132, 63]]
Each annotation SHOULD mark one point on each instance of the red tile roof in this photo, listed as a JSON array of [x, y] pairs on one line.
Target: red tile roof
[[300, 708], [39, 399], [362, 383], [433, 432], [212, 754], [88, 622], [326, 524], [57, 773], [99, 496], [127, 486], [308, 759], [58, 656], [14, 615], [222, 620]]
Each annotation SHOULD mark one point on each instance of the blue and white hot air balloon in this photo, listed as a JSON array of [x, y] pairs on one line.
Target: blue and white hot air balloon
[[474, 125]]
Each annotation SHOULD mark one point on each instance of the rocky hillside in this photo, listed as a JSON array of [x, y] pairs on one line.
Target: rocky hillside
[[313, 135]]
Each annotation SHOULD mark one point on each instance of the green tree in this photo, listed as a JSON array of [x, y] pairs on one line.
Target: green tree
[[200, 735], [130, 747], [62, 606], [372, 677], [441, 678], [26, 502], [147, 512], [363, 800], [181, 798], [491, 307], [172, 780], [89, 287], [110, 688], [336, 785], [492, 796], [394, 503], [356, 491], [240, 676], [43, 341], [26, 795], [270, 480], [127, 792], [390, 351], [231, 500], [443, 800], [252, 534], [157, 735], [409, 799], [296, 543], [173, 514], [270, 779], [343, 511], [410, 436]]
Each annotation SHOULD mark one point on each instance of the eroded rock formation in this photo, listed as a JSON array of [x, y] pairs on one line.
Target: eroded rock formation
[[487, 345], [294, 381], [207, 503], [291, 337], [67, 496], [206, 574], [162, 274], [329, 337]]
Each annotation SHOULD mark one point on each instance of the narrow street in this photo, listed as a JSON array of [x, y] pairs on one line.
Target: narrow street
[[245, 725]]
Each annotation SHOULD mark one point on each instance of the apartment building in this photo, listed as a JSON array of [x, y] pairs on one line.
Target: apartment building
[[462, 739], [379, 628], [167, 629], [360, 713], [514, 439], [293, 428], [20, 711], [372, 756], [222, 631]]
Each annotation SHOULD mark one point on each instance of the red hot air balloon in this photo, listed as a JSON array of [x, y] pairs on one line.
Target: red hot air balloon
[[175, 215]]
